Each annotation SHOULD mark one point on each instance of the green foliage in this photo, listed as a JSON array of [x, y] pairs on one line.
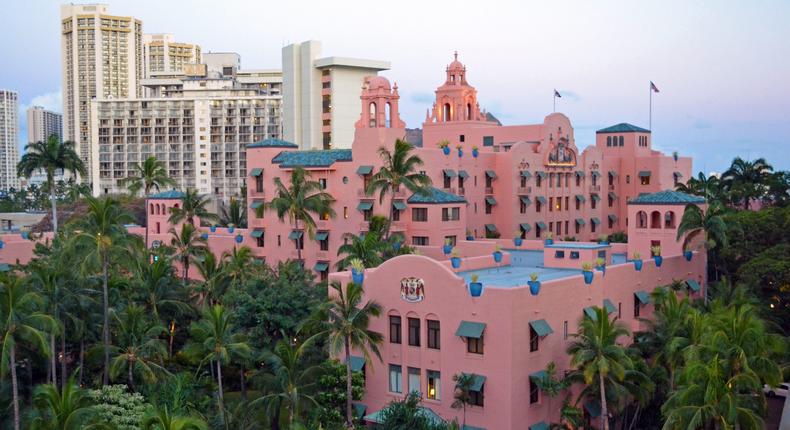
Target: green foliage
[[234, 213], [618, 237], [407, 414], [330, 397], [151, 175], [69, 409], [119, 408]]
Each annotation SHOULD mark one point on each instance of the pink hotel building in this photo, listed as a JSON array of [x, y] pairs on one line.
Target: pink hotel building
[[494, 181]]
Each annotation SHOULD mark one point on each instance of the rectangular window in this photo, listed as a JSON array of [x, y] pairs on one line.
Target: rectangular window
[[534, 340], [534, 392], [593, 202], [538, 205], [488, 140], [366, 215], [451, 240], [592, 227], [419, 214], [574, 255], [447, 181], [451, 214], [414, 380], [619, 309], [476, 398], [300, 242], [434, 384], [324, 244], [322, 183], [522, 208], [259, 242], [551, 180], [567, 204], [538, 180], [414, 332], [259, 183], [419, 240], [488, 207], [565, 330], [345, 212], [645, 180], [396, 378], [474, 345], [434, 333], [395, 329], [395, 214], [637, 304], [551, 204]]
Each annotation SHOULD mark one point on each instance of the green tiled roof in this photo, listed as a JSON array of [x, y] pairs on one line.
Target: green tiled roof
[[539, 375], [435, 196], [541, 327], [491, 174], [541, 199], [296, 234], [463, 174], [526, 200], [595, 220], [613, 195], [541, 225], [5, 267], [359, 409], [541, 174], [580, 221], [613, 217], [595, 197], [470, 329], [666, 197], [468, 427], [314, 158], [172, 194], [580, 198], [643, 297], [272, 143], [256, 204], [644, 173], [623, 127], [580, 173], [526, 174], [590, 313]]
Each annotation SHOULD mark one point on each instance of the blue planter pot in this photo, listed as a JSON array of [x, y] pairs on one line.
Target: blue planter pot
[[2, 244], [476, 289], [357, 277], [658, 259], [688, 255], [534, 287], [447, 249], [25, 235], [396, 246], [446, 150], [603, 242], [549, 242], [470, 238], [239, 238], [204, 236], [497, 256], [213, 228], [517, 241], [460, 153], [231, 229], [588, 277], [475, 153], [638, 265], [456, 262]]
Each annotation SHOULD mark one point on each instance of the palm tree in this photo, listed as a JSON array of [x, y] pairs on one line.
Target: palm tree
[[345, 323], [462, 393], [550, 384], [597, 356], [151, 175], [747, 180], [299, 201], [290, 379], [709, 223], [192, 205], [50, 156], [20, 322], [367, 248], [212, 271], [189, 245], [400, 167], [50, 281], [234, 213], [709, 187], [69, 408], [101, 236], [161, 419], [216, 340], [138, 346]]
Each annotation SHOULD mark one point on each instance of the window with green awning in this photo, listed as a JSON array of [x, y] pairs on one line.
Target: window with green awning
[[477, 382], [589, 312], [612, 173], [357, 363], [613, 217], [580, 221], [595, 220], [399, 205], [256, 172], [612, 195], [526, 227], [491, 201], [541, 199], [595, 174], [677, 175], [541, 174], [526, 174], [491, 174], [541, 327], [644, 174], [321, 267], [539, 426], [257, 233], [463, 174], [365, 206], [450, 173], [596, 197], [296, 235], [541, 225], [470, 329], [693, 285], [490, 227], [256, 204], [526, 200], [579, 174], [610, 307], [364, 170], [643, 297], [540, 375], [580, 198], [321, 235]]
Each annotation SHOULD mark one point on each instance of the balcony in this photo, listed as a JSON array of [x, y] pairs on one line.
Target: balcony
[[595, 188]]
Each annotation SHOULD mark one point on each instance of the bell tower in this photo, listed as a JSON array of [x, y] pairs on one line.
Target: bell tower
[[456, 100], [379, 104]]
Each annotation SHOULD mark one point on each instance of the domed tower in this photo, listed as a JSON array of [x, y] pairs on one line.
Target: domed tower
[[379, 104], [456, 100]]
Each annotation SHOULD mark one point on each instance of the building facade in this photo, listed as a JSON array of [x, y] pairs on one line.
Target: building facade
[[9, 146], [42, 123], [161, 53], [321, 95], [102, 57]]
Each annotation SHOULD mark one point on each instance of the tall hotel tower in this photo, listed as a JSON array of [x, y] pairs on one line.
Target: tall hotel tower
[[9, 127]]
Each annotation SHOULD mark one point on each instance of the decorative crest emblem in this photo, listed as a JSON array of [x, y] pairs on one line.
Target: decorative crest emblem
[[412, 290]]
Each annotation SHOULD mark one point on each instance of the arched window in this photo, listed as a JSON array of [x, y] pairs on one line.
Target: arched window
[[468, 111], [373, 115], [157, 209], [669, 219], [641, 219], [446, 112], [152, 208], [175, 205], [388, 114], [655, 219]]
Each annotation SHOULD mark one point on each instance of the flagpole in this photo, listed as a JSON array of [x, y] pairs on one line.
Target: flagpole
[[554, 99], [650, 120]]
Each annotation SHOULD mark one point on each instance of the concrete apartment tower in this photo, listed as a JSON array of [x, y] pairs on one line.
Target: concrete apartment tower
[[162, 54], [42, 123], [101, 58], [321, 95], [9, 151]]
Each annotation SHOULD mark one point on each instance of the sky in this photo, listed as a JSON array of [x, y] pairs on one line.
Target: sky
[[722, 67]]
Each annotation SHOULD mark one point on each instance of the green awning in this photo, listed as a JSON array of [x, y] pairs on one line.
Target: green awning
[[256, 172], [693, 285], [359, 409], [613, 217], [470, 329], [610, 307], [541, 174], [593, 409], [595, 221], [539, 426], [364, 170], [463, 174], [590, 313], [450, 173], [491, 174], [490, 227], [612, 195], [596, 197], [595, 174], [257, 233], [526, 200], [580, 198], [321, 266], [295, 235], [612, 173], [540, 375], [678, 175], [580, 221], [579, 173], [644, 174], [526, 227], [643, 297], [256, 204], [477, 382], [357, 363], [365, 206], [321, 235], [399, 205], [541, 225], [491, 201], [541, 199], [541, 327], [526, 174], [468, 427]]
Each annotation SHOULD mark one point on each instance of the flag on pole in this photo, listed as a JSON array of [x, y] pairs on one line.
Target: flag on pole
[[557, 93], [653, 87]]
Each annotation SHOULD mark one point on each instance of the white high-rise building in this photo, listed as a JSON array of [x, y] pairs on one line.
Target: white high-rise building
[[163, 54], [9, 150], [42, 123], [321, 95], [101, 58]]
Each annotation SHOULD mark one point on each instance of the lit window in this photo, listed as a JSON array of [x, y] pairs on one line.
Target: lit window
[[434, 385]]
